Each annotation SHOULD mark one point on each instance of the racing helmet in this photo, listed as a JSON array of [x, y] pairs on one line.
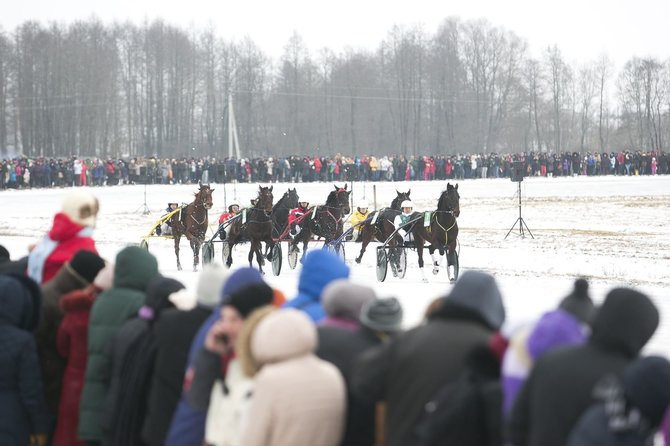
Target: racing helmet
[[406, 204], [362, 205], [230, 208], [303, 203]]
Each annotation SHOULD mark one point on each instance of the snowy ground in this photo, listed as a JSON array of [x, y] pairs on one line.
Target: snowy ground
[[612, 230]]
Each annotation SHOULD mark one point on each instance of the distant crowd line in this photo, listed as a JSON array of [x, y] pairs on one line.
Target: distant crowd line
[[76, 171]]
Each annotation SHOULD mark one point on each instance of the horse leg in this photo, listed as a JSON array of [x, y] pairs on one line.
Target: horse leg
[[259, 257], [436, 260], [419, 251], [195, 246], [231, 243], [365, 241], [451, 261], [177, 237]]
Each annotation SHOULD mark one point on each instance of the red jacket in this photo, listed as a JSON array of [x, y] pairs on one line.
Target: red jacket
[[72, 344], [295, 214], [225, 217], [64, 231]]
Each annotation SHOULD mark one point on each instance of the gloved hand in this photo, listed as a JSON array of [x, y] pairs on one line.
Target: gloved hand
[[293, 231]]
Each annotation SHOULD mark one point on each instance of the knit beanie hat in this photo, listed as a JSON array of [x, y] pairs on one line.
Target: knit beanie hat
[[245, 300], [81, 207], [342, 298], [4, 254], [646, 382], [238, 279], [579, 303], [157, 299], [478, 292], [210, 283], [382, 315], [87, 264]]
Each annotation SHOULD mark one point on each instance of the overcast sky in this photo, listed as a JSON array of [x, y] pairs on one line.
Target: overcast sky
[[582, 29]]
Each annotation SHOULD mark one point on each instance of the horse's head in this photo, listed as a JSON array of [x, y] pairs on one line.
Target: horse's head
[[264, 200], [450, 200], [400, 197], [292, 198], [342, 199], [204, 196]]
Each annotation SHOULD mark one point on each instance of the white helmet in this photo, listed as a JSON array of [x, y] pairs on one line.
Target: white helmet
[[362, 204], [406, 204]]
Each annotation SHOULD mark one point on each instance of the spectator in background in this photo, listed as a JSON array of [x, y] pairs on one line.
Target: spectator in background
[[76, 274], [293, 384], [24, 418], [71, 231], [134, 268], [561, 383], [632, 408], [319, 269]]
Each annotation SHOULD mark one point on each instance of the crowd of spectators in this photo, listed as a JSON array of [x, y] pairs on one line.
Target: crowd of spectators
[[49, 172]]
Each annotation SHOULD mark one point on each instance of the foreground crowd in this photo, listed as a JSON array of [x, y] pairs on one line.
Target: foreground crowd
[[114, 353]]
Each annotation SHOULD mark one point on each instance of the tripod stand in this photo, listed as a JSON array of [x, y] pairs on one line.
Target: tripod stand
[[520, 220], [143, 206]]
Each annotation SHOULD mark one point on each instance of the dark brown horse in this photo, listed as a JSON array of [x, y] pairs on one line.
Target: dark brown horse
[[325, 220], [383, 224], [192, 223], [442, 232], [255, 225]]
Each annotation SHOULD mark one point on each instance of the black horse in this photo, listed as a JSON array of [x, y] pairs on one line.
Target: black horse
[[325, 220], [383, 225], [192, 223], [442, 232], [254, 225], [281, 210]]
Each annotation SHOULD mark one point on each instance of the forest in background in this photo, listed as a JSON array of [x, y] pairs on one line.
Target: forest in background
[[112, 90]]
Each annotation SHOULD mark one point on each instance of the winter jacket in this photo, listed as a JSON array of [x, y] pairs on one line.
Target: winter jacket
[[173, 332], [408, 371], [51, 362], [341, 348], [318, 270], [134, 268], [72, 344], [298, 398], [60, 244], [559, 388], [22, 408]]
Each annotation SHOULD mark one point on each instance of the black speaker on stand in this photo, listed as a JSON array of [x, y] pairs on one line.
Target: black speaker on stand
[[517, 177]]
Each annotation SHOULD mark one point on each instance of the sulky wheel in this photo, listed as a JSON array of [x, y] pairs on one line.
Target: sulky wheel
[[382, 263], [207, 251], [276, 259], [401, 267], [292, 256], [224, 251]]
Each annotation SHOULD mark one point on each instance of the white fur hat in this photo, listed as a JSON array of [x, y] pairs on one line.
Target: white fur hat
[[81, 206]]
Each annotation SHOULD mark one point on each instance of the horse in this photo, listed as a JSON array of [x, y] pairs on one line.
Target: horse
[[257, 228], [192, 223], [383, 226], [325, 220], [441, 233], [281, 210]]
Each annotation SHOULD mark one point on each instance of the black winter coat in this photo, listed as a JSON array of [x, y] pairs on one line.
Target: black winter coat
[[593, 430], [173, 334], [560, 386], [341, 348], [408, 371]]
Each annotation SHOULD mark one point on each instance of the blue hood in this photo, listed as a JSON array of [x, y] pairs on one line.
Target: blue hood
[[319, 269]]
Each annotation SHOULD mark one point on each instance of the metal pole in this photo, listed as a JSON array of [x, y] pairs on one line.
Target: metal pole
[[374, 195]]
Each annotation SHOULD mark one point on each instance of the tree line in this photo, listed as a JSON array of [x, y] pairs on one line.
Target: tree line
[[112, 90]]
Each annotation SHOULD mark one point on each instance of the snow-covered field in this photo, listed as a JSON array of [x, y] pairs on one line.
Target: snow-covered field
[[612, 230]]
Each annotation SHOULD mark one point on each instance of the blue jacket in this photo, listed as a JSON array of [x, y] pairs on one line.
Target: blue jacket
[[319, 269]]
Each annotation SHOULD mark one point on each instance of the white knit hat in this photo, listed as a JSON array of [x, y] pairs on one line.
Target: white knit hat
[[81, 207], [210, 283]]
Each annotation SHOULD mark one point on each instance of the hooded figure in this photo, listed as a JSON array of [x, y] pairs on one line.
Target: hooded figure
[[293, 384], [23, 411], [409, 370], [632, 408], [319, 269], [71, 231], [557, 391], [133, 355], [133, 269]]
